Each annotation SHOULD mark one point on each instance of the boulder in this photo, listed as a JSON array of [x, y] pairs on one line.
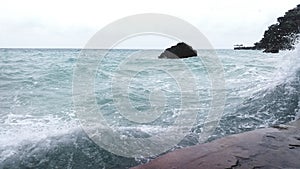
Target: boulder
[[181, 50]]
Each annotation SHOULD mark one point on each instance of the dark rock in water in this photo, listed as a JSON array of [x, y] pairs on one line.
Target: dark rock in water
[[271, 50], [181, 50], [241, 47], [282, 35]]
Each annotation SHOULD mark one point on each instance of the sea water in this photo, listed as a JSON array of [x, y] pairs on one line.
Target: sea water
[[39, 127]]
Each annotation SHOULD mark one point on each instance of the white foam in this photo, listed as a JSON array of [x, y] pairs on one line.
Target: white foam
[[18, 129], [287, 65]]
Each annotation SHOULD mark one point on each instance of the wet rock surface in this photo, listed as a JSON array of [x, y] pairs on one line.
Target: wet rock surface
[[275, 147]]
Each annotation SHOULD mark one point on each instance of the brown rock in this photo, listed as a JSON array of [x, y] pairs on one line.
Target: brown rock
[[262, 148]]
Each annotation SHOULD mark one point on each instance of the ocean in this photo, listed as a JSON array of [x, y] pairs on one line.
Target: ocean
[[40, 127]]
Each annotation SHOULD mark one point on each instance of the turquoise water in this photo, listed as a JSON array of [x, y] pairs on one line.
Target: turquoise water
[[39, 127]]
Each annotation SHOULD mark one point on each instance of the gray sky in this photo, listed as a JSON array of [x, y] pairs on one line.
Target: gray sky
[[70, 24]]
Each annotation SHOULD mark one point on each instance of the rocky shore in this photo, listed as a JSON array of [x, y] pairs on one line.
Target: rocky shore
[[282, 35], [269, 148]]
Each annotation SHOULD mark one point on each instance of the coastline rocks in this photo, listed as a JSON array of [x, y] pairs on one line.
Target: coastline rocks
[[282, 35], [181, 50], [271, 50], [276, 147]]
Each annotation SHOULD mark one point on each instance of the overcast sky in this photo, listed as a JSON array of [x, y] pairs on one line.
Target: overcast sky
[[70, 24]]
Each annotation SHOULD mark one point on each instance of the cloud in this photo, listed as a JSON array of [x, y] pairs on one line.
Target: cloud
[[55, 23]]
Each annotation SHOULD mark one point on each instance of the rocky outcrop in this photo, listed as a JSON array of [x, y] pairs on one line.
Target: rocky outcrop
[[276, 147], [181, 50], [282, 35]]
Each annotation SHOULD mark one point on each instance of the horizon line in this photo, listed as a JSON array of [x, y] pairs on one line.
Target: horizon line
[[96, 48]]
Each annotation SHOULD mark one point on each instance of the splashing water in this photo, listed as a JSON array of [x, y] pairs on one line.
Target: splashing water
[[39, 129]]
